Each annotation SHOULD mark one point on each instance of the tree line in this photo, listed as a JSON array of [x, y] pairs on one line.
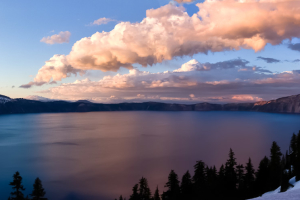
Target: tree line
[[231, 181], [38, 192]]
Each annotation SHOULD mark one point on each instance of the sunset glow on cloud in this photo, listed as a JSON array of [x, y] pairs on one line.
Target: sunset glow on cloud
[[62, 37], [233, 81], [169, 32], [163, 55]]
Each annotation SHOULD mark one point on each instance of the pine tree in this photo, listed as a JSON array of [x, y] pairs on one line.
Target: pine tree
[[38, 192], [240, 176], [288, 165], [249, 179], [144, 191], [230, 175], [186, 186], [199, 179], [173, 192], [297, 159], [17, 187], [240, 181], [275, 166], [293, 148], [262, 181], [221, 182], [284, 181], [121, 197], [156, 194], [135, 194], [211, 181]]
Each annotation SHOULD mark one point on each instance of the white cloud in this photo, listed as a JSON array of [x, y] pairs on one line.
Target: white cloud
[[54, 70], [193, 65], [62, 37], [224, 82], [169, 32], [101, 21]]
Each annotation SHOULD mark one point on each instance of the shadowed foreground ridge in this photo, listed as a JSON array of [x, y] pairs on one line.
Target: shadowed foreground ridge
[[290, 104]]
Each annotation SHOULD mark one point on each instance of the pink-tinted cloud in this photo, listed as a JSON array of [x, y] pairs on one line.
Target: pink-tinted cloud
[[169, 32], [54, 70], [224, 82], [102, 20], [184, 1], [62, 37], [246, 98]]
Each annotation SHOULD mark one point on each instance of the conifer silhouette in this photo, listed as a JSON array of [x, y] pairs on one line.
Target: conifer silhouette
[[293, 149], [297, 159], [199, 179], [156, 194], [240, 176], [249, 179], [173, 192], [38, 192], [221, 181], [211, 181], [262, 182], [230, 175], [135, 194], [186, 186], [275, 166], [144, 191], [17, 187]]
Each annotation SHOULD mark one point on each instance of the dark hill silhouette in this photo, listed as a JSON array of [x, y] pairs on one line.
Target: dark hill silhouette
[[289, 104]]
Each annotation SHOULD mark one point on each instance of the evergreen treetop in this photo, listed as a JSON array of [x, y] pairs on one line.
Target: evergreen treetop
[[38, 192], [17, 187]]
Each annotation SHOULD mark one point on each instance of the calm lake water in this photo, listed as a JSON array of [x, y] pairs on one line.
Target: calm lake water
[[101, 155]]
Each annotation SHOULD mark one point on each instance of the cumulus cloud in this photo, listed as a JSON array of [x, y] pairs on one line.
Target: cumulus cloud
[[228, 81], [268, 60], [193, 65], [241, 64], [54, 70], [101, 21], [62, 37], [295, 47], [169, 32]]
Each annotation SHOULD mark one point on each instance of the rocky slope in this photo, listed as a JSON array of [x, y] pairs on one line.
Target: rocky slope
[[289, 104]]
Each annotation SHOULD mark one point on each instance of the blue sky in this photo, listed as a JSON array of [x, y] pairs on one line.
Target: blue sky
[[25, 23]]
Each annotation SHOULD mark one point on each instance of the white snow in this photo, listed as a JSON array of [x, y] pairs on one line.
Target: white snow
[[4, 100], [293, 193], [288, 195], [39, 98]]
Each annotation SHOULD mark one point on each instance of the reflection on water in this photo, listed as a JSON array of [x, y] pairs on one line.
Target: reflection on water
[[103, 154]]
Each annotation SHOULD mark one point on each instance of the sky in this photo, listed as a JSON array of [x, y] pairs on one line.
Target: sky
[[180, 51]]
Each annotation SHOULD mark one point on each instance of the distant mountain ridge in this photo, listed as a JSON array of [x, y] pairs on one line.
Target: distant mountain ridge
[[290, 104], [4, 99]]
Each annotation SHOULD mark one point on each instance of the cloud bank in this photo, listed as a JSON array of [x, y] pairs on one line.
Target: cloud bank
[[62, 37], [169, 32], [228, 81]]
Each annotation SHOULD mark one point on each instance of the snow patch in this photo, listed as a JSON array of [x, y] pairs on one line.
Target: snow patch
[[39, 98], [4, 99], [293, 193]]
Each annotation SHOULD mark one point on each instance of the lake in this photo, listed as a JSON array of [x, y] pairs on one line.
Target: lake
[[101, 155]]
